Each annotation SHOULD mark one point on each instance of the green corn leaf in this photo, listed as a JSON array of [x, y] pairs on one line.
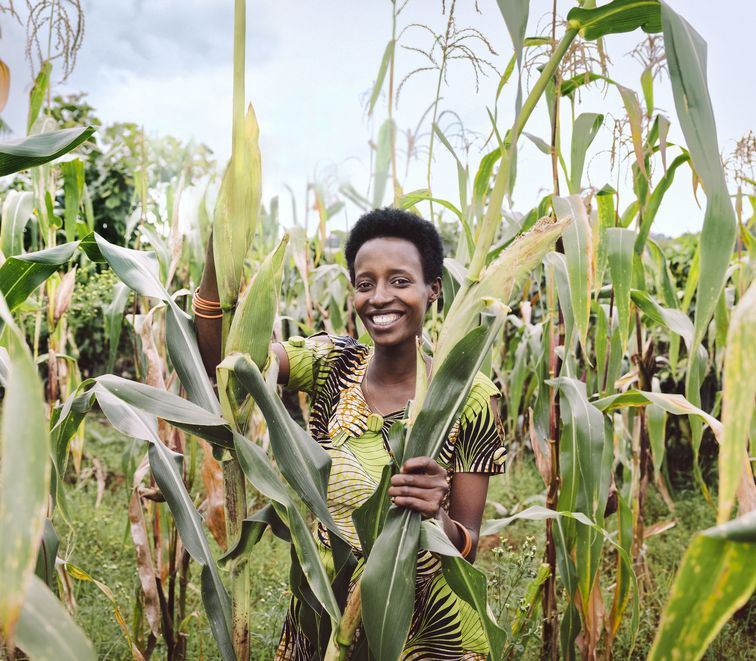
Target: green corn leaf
[[252, 326], [39, 149], [556, 264], [655, 199], [686, 57], [468, 582], [656, 418], [48, 553], [21, 275], [38, 93], [624, 573], [113, 313], [738, 395], [578, 250], [304, 464], [369, 517], [616, 17], [18, 207], [388, 584], [605, 203], [715, 579], [620, 243], [388, 54], [259, 471], [139, 270], [568, 86], [584, 130], [73, 188], [237, 209], [24, 473], [448, 391], [176, 410], [496, 282], [411, 199], [386, 137], [166, 469], [46, 632]]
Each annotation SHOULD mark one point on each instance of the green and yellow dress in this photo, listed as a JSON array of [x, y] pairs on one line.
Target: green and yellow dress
[[330, 369]]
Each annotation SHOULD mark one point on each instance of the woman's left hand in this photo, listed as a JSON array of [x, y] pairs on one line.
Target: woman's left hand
[[421, 486]]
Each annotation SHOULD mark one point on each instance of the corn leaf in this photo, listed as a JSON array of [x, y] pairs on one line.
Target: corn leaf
[[304, 464], [17, 210], [113, 313], [620, 243], [21, 275], [584, 130], [73, 188], [237, 209], [39, 149], [24, 474], [468, 582], [252, 326], [388, 584], [166, 469], [388, 53], [616, 17], [369, 517], [139, 270], [46, 632], [382, 161], [738, 396], [686, 57], [176, 410], [714, 580], [578, 250], [38, 93], [259, 471]]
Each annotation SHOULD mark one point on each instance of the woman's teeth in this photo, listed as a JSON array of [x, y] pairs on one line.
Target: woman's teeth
[[385, 319]]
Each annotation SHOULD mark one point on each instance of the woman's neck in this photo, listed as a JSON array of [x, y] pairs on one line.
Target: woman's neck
[[394, 365]]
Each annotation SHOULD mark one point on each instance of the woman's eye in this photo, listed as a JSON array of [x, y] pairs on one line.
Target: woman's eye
[[363, 286], [401, 282]]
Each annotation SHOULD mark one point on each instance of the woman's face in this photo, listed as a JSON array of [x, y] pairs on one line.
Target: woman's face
[[390, 292]]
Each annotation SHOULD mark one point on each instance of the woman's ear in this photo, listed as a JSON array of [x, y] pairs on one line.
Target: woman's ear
[[435, 289]]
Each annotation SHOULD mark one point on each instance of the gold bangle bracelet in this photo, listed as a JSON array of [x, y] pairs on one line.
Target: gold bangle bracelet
[[197, 313], [468, 539]]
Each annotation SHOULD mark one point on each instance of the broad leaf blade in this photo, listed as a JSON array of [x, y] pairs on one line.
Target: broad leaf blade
[[46, 631], [25, 474], [40, 149]]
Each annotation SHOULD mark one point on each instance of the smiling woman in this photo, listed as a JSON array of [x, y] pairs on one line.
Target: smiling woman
[[357, 392]]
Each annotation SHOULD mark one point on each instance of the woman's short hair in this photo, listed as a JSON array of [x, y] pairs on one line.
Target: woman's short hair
[[400, 224]]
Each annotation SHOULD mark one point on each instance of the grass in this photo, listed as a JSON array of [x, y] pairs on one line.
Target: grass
[[99, 542]]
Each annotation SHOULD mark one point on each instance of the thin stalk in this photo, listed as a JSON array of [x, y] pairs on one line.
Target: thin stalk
[[236, 509], [394, 180], [491, 218], [441, 70], [338, 648], [555, 155]]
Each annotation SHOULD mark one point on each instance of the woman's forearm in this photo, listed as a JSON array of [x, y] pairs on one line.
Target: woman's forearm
[[209, 331], [456, 536]]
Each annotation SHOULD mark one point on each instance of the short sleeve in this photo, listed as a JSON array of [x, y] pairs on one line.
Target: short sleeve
[[309, 361], [479, 446]]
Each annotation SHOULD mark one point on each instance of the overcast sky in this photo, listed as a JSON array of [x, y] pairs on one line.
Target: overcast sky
[[310, 66]]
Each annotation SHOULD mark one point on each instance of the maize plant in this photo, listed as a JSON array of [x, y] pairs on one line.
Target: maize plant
[[571, 306]]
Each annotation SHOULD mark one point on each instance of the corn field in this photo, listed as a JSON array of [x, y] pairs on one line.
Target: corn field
[[609, 355]]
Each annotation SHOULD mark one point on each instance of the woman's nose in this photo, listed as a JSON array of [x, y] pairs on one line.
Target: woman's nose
[[381, 295]]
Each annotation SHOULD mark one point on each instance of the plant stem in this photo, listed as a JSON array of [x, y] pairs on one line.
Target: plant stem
[[501, 184], [340, 643]]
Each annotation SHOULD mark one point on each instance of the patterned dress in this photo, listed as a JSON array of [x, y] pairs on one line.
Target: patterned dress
[[330, 369]]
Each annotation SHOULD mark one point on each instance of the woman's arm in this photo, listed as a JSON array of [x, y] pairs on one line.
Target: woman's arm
[[209, 330]]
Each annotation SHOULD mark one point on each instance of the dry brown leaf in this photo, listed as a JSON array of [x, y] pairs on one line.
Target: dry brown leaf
[[145, 568], [542, 459], [4, 84], [63, 295], [658, 528]]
